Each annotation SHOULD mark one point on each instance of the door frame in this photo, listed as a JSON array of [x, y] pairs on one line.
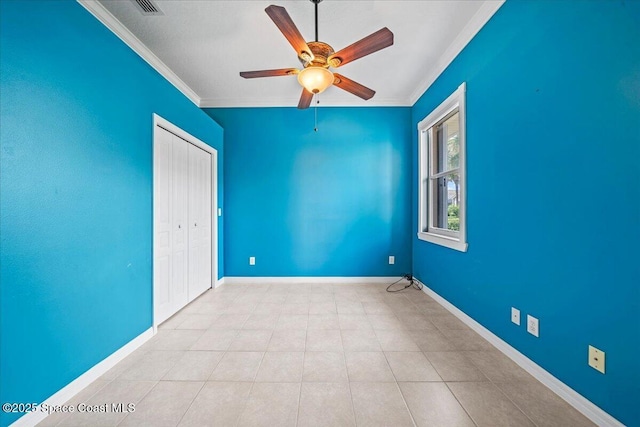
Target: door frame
[[161, 122]]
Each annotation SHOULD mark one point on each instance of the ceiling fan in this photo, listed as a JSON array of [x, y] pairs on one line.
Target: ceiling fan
[[317, 57]]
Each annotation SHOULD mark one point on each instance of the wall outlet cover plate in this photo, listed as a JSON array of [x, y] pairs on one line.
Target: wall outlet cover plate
[[533, 326], [596, 359], [515, 316]]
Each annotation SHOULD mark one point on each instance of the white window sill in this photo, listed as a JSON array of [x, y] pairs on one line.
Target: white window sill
[[444, 241]]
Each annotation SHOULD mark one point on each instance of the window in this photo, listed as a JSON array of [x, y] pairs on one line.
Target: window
[[442, 174]]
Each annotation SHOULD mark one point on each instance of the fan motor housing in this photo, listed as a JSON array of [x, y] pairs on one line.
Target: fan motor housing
[[321, 52]]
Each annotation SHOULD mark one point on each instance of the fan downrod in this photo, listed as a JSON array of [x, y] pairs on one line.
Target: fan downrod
[[315, 2]]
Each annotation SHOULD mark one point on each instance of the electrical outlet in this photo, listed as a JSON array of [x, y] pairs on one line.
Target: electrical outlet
[[533, 326], [515, 316], [252, 260], [392, 260], [596, 359], [219, 211]]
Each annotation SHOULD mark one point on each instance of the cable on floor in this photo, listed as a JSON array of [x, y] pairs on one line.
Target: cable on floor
[[412, 283]]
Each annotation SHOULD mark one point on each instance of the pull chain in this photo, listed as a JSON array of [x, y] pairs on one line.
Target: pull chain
[[315, 111]]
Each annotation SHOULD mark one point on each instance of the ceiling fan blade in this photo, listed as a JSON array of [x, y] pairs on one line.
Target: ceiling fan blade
[[284, 22], [269, 73], [368, 45], [305, 99], [353, 87]]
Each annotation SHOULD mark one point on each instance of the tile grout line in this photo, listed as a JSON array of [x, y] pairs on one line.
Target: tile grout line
[[300, 389], [304, 358], [406, 405], [59, 423], [496, 386], [504, 394], [514, 404], [192, 401], [238, 297], [441, 329], [206, 380], [139, 400], [460, 403], [244, 407], [344, 357]]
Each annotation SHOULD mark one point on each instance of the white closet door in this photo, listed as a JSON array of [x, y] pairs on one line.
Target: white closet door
[[162, 225], [183, 213], [180, 222], [199, 221], [205, 238]]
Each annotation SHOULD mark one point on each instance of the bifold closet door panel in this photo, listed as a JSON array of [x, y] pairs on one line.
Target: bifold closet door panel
[[180, 222], [193, 222], [207, 221], [182, 264], [162, 268], [199, 221]]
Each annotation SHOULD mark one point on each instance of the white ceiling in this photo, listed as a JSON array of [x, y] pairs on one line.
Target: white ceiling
[[201, 46]]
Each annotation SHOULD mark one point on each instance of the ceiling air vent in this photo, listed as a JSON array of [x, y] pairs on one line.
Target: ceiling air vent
[[147, 7]]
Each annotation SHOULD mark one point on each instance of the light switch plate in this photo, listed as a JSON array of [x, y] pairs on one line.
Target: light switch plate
[[515, 316], [533, 326], [596, 359]]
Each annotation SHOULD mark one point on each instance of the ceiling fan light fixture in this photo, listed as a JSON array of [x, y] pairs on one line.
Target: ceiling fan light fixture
[[317, 57], [315, 79]]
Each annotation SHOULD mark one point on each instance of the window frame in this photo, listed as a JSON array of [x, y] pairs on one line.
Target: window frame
[[426, 198]]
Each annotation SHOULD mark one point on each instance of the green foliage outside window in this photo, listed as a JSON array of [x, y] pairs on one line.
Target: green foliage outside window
[[453, 217]]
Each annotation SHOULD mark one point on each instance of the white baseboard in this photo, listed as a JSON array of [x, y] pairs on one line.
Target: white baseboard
[[218, 283], [230, 280], [572, 397], [77, 385]]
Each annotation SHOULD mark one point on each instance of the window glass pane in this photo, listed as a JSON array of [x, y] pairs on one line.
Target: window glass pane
[[447, 146], [446, 212], [424, 188]]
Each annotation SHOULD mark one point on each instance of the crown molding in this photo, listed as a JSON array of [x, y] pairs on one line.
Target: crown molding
[[482, 16], [292, 102], [103, 15]]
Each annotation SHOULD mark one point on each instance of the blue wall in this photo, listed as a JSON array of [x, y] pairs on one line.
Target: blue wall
[[76, 193], [553, 140], [553, 145], [331, 203]]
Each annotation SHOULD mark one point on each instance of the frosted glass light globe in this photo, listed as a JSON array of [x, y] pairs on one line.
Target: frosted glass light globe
[[315, 79]]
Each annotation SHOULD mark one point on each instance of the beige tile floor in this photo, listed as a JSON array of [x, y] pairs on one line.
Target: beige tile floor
[[319, 355]]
